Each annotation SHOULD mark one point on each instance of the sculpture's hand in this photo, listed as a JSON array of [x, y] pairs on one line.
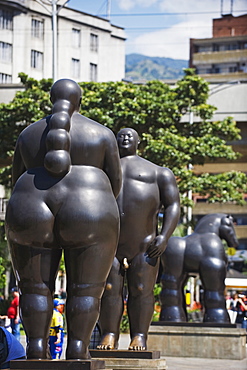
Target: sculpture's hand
[[157, 247]]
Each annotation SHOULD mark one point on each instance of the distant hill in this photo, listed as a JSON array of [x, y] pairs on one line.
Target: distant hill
[[142, 67]]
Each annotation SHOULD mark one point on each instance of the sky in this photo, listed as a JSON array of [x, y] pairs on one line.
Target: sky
[[162, 28]]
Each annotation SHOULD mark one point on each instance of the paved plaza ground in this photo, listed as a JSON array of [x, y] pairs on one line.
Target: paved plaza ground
[[184, 363]]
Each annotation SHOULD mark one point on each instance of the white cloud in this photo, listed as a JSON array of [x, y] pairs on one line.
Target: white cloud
[[201, 6], [130, 4], [172, 42]]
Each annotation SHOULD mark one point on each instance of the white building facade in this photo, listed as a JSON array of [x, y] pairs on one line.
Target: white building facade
[[89, 48]]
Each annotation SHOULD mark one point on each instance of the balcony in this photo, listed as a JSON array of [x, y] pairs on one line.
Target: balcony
[[216, 57]]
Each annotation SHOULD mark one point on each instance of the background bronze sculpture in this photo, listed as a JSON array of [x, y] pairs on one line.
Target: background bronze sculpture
[[201, 252], [66, 172], [146, 188]]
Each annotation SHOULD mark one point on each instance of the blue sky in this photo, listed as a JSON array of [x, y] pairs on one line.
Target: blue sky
[[161, 27]]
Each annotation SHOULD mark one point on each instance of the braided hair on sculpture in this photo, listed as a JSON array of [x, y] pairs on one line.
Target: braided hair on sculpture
[[66, 98]]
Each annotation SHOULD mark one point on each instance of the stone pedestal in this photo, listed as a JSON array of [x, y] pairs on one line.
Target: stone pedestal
[[180, 340], [57, 365], [130, 360]]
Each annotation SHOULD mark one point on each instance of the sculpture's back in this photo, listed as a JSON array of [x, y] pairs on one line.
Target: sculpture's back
[[66, 173]]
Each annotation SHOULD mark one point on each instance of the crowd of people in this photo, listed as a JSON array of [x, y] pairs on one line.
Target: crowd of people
[[237, 306]]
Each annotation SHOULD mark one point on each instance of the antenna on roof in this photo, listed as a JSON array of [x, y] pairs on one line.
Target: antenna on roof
[[222, 5]]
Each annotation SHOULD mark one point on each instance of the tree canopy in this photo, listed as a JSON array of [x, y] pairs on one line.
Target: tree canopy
[[156, 111]]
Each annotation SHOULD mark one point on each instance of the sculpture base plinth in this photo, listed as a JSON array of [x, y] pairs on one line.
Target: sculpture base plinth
[[130, 360], [57, 365], [198, 341], [96, 353]]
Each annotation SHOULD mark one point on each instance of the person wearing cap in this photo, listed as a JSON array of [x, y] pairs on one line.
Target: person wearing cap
[[56, 330], [13, 313]]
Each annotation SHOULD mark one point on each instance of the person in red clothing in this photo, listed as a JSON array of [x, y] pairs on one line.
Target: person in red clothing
[[13, 314]]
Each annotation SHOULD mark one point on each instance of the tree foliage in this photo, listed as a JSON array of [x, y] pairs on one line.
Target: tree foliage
[[27, 107], [157, 112]]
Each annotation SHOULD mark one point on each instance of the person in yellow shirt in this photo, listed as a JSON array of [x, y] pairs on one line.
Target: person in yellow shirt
[[56, 330]]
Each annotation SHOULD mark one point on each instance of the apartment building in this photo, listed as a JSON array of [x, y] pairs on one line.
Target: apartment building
[[222, 61], [89, 48], [224, 56]]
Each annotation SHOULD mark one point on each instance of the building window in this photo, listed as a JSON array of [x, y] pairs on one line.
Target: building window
[[5, 79], [233, 69], [5, 52], [93, 72], [36, 59], [37, 29], [216, 70], [76, 37], [205, 48], [75, 68], [93, 42], [6, 19]]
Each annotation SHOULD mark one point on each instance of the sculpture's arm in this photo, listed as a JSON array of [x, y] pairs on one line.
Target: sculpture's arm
[[112, 165], [18, 165], [169, 197]]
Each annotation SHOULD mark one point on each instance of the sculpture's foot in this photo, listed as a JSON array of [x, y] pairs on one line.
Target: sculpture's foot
[[37, 349], [77, 350], [218, 315], [108, 342], [138, 343], [172, 313]]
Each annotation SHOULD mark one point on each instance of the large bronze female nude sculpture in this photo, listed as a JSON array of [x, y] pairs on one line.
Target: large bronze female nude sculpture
[[66, 175], [146, 189]]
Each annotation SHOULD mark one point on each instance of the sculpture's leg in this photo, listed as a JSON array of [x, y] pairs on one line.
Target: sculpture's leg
[[112, 305], [172, 280], [87, 270], [213, 273], [36, 270], [141, 277]]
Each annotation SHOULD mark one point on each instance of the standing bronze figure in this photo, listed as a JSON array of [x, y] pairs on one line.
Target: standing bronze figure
[[146, 189], [66, 175], [203, 253]]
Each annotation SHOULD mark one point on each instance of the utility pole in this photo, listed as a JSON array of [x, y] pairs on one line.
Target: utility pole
[[190, 167], [54, 40], [109, 10], [53, 12]]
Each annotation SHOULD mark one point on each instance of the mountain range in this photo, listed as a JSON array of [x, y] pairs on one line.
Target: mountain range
[[142, 67]]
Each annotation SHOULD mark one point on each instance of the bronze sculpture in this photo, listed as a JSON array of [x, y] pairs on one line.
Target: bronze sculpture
[[146, 188], [201, 252], [66, 172]]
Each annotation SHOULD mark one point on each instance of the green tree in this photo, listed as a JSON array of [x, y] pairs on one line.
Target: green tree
[[4, 257], [156, 112], [27, 107]]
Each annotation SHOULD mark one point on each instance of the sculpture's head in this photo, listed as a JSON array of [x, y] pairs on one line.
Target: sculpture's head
[[128, 140], [227, 231], [66, 90]]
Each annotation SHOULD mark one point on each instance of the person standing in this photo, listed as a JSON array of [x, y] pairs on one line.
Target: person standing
[[56, 331], [13, 313]]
